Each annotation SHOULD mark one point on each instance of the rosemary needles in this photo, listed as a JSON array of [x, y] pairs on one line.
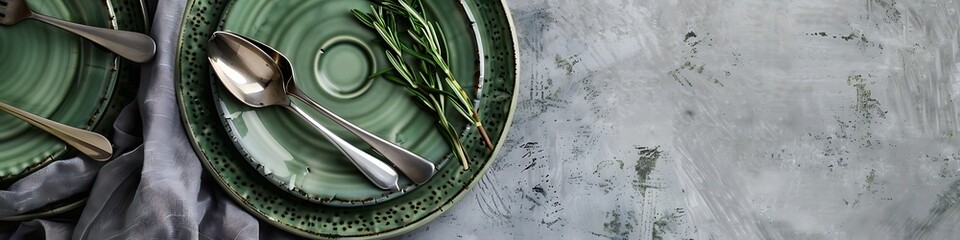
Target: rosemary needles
[[417, 54]]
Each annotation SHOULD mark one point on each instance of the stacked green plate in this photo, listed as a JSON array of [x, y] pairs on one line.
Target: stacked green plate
[[282, 171], [60, 76]]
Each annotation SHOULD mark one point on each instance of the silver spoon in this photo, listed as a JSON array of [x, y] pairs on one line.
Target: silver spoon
[[255, 79], [413, 166], [416, 168], [88, 143]]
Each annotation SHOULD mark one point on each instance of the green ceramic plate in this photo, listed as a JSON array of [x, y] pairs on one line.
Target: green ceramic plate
[[333, 54], [485, 47], [60, 76]]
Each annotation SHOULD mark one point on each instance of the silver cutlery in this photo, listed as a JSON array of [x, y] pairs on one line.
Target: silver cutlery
[[256, 80], [137, 47], [88, 143], [415, 167]]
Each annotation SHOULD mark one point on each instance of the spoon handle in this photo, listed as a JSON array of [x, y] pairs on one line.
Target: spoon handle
[[378, 172], [416, 168], [137, 47], [89, 143]]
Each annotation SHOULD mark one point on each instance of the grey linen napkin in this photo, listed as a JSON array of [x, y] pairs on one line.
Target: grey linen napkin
[[155, 189]]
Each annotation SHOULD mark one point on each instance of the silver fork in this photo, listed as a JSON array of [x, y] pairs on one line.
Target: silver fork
[[137, 47]]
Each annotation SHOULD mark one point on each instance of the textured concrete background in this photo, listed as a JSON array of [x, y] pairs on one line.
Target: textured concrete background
[[739, 119]]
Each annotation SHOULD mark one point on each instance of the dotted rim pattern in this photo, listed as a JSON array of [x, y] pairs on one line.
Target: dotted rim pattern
[[407, 212]]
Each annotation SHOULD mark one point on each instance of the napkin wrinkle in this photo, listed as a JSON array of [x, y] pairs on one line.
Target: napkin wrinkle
[[120, 189], [41, 229], [221, 218], [127, 134], [66, 178], [157, 188], [157, 198], [72, 176]]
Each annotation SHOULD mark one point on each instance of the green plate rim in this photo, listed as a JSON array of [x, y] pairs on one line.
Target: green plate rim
[[459, 195], [496, 149]]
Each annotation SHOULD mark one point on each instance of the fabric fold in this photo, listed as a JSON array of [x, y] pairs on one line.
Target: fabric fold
[[155, 188]]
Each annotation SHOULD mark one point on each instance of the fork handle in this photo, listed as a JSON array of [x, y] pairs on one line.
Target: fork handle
[[137, 47], [375, 170], [415, 167], [89, 143]]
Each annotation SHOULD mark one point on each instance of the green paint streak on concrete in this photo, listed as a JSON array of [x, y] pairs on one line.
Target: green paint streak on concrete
[[660, 228], [689, 36], [865, 105], [663, 224], [645, 165], [940, 211], [850, 37], [871, 178], [566, 64], [889, 9], [613, 226], [619, 226], [607, 186], [619, 163]]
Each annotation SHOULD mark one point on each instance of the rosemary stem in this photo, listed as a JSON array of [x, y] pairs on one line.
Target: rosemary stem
[[421, 62]]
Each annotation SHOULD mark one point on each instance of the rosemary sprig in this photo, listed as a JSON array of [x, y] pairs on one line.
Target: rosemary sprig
[[417, 54]]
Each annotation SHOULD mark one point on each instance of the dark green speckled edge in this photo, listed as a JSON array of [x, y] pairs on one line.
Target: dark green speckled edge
[[498, 146], [128, 76], [314, 220]]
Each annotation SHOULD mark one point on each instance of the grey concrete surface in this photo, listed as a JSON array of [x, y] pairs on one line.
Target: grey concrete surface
[[738, 119]]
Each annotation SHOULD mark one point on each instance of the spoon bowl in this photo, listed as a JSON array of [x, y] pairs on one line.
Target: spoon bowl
[[250, 75], [247, 72]]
